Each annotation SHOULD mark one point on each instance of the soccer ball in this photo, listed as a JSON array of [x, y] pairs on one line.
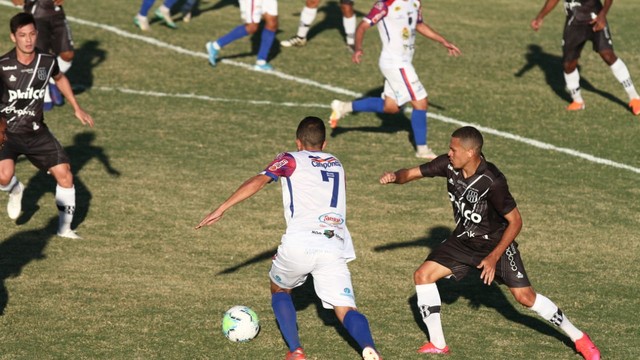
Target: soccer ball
[[240, 324]]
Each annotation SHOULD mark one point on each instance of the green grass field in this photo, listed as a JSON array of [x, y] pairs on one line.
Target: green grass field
[[174, 137]]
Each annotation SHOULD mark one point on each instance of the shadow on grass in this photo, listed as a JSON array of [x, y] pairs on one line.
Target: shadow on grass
[[390, 123], [18, 250], [80, 153], [87, 57], [332, 19], [471, 288], [551, 66]]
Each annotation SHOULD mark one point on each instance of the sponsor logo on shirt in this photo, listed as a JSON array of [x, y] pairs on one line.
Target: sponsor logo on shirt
[[29, 93], [12, 78], [19, 112], [331, 219], [7, 68], [461, 207], [317, 161], [278, 165]]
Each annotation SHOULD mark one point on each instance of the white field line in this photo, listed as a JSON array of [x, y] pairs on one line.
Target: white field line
[[330, 88]]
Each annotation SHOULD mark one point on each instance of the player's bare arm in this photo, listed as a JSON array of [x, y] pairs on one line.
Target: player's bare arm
[[245, 191], [428, 32], [62, 82], [359, 39], [401, 176], [546, 9], [488, 264]]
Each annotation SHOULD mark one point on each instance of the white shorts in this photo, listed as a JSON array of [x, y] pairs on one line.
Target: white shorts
[[251, 11], [402, 84], [331, 277]]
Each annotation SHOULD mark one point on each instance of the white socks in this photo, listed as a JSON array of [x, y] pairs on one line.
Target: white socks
[[350, 29], [429, 304], [620, 71], [66, 203], [573, 85], [307, 16], [64, 65], [550, 312], [11, 185]]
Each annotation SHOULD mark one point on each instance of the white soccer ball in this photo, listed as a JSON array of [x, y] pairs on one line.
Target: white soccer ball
[[240, 324]]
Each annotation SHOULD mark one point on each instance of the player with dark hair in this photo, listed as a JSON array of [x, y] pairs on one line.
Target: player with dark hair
[[398, 23], [252, 13], [487, 223], [587, 21], [308, 15], [54, 37], [24, 75], [316, 241]]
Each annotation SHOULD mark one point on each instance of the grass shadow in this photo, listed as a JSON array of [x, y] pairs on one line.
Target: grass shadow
[[87, 57], [20, 249], [551, 66]]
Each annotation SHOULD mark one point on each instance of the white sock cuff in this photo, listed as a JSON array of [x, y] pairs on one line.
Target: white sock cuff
[[428, 294], [65, 196], [10, 185], [64, 65], [544, 307], [349, 24], [572, 79], [307, 16]]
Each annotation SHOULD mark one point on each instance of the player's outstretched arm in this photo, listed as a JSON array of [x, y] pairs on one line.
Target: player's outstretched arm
[[245, 191], [428, 32], [546, 9], [359, 39], [62, 82], [401, 176]]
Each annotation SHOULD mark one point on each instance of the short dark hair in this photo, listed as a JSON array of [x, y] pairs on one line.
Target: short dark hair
[[21, 19], [470, 137], [311, 131]]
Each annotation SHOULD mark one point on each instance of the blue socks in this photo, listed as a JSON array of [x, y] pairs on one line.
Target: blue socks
[[237, 33], [285, 313], [358, 327], [147, 4], [419, 126], [266, 40], [371, 104]]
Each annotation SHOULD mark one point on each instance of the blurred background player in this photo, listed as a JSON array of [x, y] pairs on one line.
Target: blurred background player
[[587, 21], [308, 15], [397, 24], [24, 75], [316, 241], [54, 37], [251, 12], [163, 13]]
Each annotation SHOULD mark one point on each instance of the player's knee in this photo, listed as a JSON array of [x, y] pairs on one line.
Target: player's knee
[[251, 28], [67, 55], [421, 276], [526, 298]]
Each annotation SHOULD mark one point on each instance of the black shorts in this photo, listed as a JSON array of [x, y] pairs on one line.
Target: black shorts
[[54, 34], [576, 35], [41, 148], [458, 257]]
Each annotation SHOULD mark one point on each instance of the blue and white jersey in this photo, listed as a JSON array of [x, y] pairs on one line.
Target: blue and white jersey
[[314, 199], [396, 21]]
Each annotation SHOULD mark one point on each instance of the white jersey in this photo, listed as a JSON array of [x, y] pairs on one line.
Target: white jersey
[[314, 199], [396, 21]]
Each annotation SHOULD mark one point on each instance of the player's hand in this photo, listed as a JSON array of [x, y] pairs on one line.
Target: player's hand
[[210, 219], [452, 49], [599, 23], [357, 56], [536, 24], [488, 266], [387, 177], [84, 118]]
